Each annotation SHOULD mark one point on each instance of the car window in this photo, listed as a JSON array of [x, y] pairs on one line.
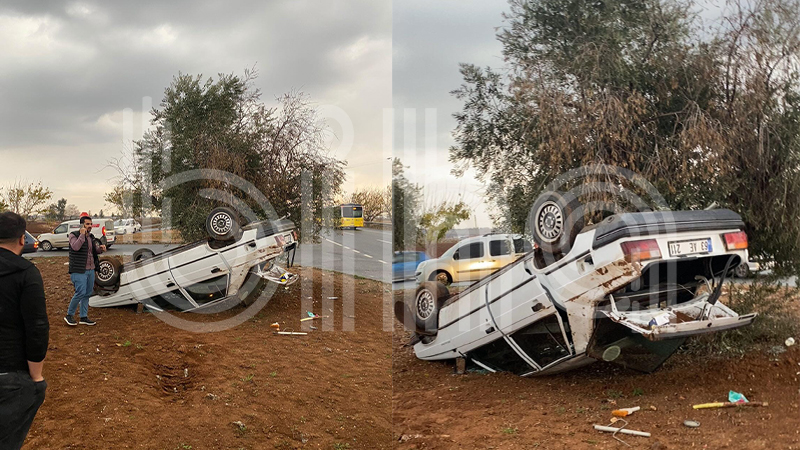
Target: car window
[[499, 247], [412, 257], [60, 229], [542, 341], [469, 251], [498, 355], [522, 245], [398, 258], [209, 290], [173, 300]]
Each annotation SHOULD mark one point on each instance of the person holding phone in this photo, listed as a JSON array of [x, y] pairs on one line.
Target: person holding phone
[[24, 335], [83, 261]]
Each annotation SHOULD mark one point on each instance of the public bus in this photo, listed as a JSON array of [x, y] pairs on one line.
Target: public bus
[[352, 215]]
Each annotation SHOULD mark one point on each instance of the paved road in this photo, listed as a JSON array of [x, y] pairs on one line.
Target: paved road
[[364, 252]]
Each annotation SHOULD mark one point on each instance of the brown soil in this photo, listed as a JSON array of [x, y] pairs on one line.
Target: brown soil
[[435, 409], [133, 381]]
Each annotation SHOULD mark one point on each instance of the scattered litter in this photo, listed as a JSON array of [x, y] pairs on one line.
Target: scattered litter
[[332, 298], [789, 342], [212, 396], [691, 423], [621, 430], [728, 405], [624, 412], [290, 333], [313, 327], [239, 424], [186, 372], [276, 326], [735, 397], [653, 408], [311, 314], [407, 437]]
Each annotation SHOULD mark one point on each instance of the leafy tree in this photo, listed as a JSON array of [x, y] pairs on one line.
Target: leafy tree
[[373, 199], [56, 211], [71, 212], [25, 198], [127, 201], [222, 125], [706, 115], [440, 218], [405, 203]]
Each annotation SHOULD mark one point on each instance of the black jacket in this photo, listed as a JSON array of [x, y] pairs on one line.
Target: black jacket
[[24, 328]]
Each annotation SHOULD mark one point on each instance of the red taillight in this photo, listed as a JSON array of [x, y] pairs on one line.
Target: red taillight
[[104, 231], [735, 241], [294, 234], [35, 245], [641, 250]]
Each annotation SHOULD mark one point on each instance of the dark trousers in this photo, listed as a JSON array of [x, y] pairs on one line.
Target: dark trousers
[[20, 398]]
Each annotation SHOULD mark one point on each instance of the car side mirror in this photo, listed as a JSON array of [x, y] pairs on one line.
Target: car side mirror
[[455, 256]]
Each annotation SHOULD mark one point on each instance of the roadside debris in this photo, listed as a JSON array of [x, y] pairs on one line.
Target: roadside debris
[[735, 397], [290, 333], [789, 342], [691, 423], [728, 405], [624, 412], [622, 430]]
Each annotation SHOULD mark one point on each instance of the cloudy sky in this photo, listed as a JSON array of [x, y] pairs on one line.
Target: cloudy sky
[[70, 70], [430, 39]]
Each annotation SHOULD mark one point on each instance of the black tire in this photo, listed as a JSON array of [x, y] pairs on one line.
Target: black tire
[[555, 220], [742, 270], [46, 246], [428, 300], [143, 253], [222, 224], [107, 273], [442, 276]]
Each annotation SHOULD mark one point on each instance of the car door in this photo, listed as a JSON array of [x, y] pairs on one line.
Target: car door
[[60, 237], [501, 252], [201, 272], [470, 261], [411, 261]]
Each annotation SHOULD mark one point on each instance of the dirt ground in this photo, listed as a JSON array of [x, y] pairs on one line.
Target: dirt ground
[[435, 409], [150, 237], [133, 381]]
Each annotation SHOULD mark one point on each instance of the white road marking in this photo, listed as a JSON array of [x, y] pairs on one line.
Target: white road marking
[[382, 261], [367, 255], [346, 247], [385, 242], [333, 242], [356, 251]]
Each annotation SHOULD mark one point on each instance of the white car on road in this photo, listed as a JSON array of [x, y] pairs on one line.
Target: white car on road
[[629, 289], [202, 273], [102, 229], [127, 226], [473, 258]]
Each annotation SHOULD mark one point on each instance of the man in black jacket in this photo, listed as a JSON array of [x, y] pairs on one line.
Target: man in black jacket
[[83, 261], [24, 333]]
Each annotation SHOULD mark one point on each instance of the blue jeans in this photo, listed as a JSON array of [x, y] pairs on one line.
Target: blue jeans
[[84, 286]]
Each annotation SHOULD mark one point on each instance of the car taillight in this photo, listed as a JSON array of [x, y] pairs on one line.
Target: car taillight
[[641, 250], [104, 231], [735, 241], [35, 245], [294, 234]]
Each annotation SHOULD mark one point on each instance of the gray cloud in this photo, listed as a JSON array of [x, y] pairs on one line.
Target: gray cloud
[[68, 69]]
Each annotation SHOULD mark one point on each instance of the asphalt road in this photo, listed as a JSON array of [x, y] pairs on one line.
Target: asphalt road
[[364, 252]]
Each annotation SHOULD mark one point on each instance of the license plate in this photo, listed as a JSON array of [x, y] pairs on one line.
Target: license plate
[[692, 247]]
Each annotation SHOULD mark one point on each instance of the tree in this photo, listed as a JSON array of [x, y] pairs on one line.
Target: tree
[[635, 84], [373, 200], [56, 211], [25, 198], [71, 212], [206, 126], [128, 202], [439, 218], [405, 203]]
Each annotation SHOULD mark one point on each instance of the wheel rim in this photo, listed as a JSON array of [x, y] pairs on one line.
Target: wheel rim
[[221, 223], [549, 222], [425, 304], [741, 271], [441, 277], [105, 271], [46, 246]]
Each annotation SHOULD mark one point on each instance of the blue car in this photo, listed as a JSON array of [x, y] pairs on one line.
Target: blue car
[[404, 264]]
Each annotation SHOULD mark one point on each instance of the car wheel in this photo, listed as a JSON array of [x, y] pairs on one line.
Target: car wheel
[[107, 273], [428, 300], [46, 246], [442, 277], [556, 219], [742, 270], [143, 253], [222, 224]]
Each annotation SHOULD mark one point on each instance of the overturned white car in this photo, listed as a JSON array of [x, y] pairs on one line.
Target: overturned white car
[[202, 273], [629, 289]]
